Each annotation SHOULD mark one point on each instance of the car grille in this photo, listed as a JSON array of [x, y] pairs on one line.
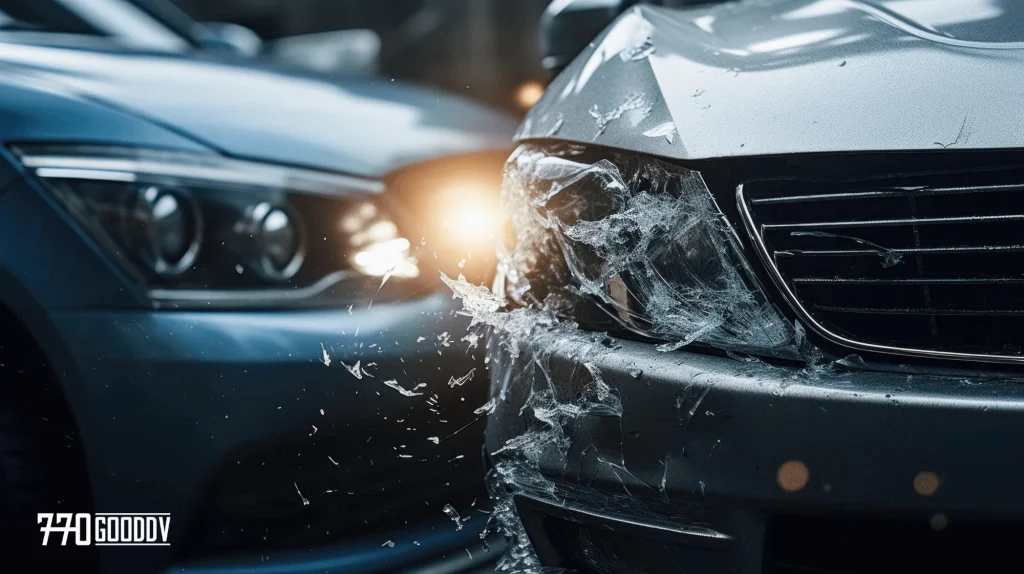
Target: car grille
[[927, 265]]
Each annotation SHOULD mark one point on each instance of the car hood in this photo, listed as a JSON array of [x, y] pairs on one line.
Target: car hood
[[795, 76], [360, 126]]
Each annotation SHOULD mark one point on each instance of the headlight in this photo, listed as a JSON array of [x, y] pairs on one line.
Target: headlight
[[202, 229], [633, 245]]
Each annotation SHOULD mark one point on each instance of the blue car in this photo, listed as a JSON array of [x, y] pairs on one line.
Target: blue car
[[219, 300]]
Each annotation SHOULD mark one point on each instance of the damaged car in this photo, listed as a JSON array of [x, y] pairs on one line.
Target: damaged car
[[759, 298]]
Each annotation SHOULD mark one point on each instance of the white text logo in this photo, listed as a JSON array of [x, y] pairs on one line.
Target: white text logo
[[106, 528]]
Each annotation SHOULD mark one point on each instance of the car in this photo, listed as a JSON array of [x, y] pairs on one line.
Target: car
[[758, 307], [220, 303]]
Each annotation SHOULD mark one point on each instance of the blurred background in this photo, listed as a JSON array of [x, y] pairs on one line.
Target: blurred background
[[484, 49]]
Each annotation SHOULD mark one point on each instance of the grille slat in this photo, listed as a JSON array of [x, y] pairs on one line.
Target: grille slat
[[907, 251], [917, 265], [893, 222], [902, 192], [914, 282], [923, 312]]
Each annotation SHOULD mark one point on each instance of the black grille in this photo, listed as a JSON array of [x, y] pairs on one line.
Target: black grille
[[931, 264]]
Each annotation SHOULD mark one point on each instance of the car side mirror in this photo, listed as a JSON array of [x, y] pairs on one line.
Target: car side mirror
[[228, 37], [567, 26], [347, 52]]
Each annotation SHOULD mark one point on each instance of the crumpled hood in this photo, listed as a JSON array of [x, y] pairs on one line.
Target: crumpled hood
[[796, 76], [361, 127]]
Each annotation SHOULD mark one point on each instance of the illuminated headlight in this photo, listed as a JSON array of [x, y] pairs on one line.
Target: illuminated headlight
[[202, 229], [377, 250]]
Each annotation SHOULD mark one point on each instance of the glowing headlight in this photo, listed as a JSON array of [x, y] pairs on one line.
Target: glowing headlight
[[202, 228], [378, 251], [387, 257]]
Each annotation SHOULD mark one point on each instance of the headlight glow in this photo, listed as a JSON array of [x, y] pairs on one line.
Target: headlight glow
[[470, 218], [387, 258], [187, 227]]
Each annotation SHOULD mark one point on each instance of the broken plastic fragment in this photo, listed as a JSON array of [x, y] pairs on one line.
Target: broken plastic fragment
[[326, 360], [487, 408], [634, 102], [638, 52], [666, 130], [555, 127], [305, 501], [404, 391], [453, 382], [474, 297], [355, 369], [472, 339], [454, 515]]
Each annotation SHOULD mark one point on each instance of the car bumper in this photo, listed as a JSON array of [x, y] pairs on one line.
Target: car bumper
[[718, 464], [167, 402]]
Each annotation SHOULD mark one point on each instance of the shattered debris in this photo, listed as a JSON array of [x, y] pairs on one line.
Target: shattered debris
[[634, 102], [305, 501], [454, 515], [453, 382], [355, 369], [487, 408], [600, 246], [404, 391], [666, 130]]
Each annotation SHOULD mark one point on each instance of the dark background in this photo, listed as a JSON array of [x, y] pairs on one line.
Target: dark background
[[485, 49]]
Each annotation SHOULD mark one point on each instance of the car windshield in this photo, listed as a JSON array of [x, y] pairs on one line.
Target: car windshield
[[142, 23]]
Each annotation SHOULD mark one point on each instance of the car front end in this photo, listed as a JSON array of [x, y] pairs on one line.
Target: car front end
[[756, 309], [219, 290]]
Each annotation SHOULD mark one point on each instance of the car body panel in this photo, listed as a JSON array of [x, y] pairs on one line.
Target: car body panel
[[236, 107], [702, 441], [795, 76], [40, 109], [165, 399]]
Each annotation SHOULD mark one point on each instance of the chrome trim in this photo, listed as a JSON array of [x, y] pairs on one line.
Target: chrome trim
[[199, 168], [895, 192], [895, 222], [914, 281], [804, 315], [246, 297], [900, 251], [603, 517]]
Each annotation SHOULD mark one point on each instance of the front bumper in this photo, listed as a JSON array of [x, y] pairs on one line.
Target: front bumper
[[726, 465], [169, 403]]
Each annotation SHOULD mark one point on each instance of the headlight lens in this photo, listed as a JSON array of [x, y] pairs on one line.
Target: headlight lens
[[166, 228], [639, 243], [202, 229]]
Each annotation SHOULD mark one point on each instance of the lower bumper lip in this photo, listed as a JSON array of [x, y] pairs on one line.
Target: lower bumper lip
[[703, 438]]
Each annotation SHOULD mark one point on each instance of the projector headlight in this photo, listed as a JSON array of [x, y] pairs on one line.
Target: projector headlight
[[200, 230]]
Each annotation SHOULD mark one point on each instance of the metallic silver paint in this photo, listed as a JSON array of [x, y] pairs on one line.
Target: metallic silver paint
[[798, 76]]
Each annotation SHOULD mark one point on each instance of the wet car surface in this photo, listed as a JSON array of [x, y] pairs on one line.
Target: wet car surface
[[755, 310]]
